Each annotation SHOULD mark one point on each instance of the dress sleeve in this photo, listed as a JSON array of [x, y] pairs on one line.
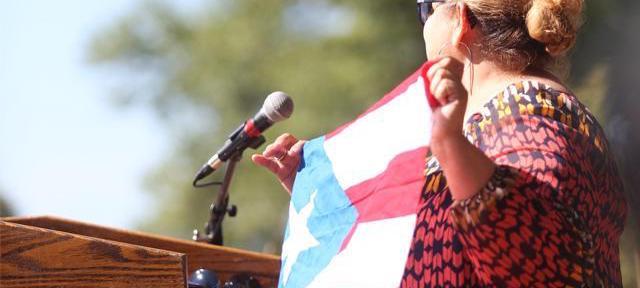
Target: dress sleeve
[[519, 230]]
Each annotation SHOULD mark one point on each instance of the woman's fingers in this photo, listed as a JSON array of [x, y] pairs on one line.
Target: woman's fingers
[[280, 146], [273, 150], [439, 64], [282, 158], [449, 64], [291, 158], [266, 162], [445, 84], [440, 86], [443, 87], [444, 80], [276, 153], [286, 140], [445, 92]]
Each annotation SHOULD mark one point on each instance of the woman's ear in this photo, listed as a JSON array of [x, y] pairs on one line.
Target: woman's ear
[[463, 26]]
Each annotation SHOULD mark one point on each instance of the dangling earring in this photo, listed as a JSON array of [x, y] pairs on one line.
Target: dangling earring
[[470, 57]]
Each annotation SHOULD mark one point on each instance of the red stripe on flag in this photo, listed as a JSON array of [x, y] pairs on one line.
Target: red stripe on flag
[[394, 193]]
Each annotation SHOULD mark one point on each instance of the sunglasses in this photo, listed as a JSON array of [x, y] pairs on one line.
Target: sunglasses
[[425, 9]]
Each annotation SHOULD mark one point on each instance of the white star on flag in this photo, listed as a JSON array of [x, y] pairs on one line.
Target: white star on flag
[[300, 238]]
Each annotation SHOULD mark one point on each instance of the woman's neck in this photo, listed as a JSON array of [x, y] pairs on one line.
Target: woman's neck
[[485, 79]]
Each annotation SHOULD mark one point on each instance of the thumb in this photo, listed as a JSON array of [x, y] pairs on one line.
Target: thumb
[[296, 148]]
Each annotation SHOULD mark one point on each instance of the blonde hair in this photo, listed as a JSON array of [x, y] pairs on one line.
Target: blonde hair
[[523, 33]]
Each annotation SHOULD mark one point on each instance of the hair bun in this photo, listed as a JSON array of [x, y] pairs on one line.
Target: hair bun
[[555, 23]]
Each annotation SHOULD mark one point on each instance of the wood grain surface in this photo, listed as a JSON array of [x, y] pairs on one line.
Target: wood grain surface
[[225, 261], [38, 257]]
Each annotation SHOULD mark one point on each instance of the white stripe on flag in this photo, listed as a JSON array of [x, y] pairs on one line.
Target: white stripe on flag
[[365, 148], [365, 262]]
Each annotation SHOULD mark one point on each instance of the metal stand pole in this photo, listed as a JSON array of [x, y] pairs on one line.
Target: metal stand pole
[[219, 208]]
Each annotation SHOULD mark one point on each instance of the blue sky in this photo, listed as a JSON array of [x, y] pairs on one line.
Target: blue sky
[[65, 150]]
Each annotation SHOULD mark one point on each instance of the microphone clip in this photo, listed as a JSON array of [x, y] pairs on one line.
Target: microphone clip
[[232, 147]]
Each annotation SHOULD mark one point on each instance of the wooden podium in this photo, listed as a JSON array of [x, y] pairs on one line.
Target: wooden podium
[[53, 252]]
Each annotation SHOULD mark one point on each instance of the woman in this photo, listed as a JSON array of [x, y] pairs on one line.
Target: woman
[[525, 192]]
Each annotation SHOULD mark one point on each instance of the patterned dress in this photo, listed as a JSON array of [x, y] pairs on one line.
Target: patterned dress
[[552, 214]]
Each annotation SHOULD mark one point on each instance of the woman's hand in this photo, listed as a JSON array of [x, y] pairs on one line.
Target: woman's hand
[[466, 168], [282, 158], [446, 87]]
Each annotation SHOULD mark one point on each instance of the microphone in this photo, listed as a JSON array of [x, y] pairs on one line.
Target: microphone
[[277, 107]]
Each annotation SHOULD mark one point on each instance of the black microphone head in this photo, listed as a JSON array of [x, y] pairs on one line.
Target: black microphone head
[[278, 106]]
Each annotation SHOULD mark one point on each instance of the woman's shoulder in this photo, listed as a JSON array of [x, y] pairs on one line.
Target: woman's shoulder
[[527, 105], [530, 98]]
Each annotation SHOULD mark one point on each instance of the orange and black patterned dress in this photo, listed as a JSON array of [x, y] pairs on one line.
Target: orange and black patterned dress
[[551, 215]]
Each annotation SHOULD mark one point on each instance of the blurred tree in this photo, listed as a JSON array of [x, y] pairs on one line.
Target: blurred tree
[[605, 64], [624, 119], [208, 72]]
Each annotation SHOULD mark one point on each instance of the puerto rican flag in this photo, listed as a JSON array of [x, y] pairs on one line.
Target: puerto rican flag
[[353, 207]]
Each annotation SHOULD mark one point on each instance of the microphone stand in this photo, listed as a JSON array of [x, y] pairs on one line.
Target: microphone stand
[[220, 207]]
